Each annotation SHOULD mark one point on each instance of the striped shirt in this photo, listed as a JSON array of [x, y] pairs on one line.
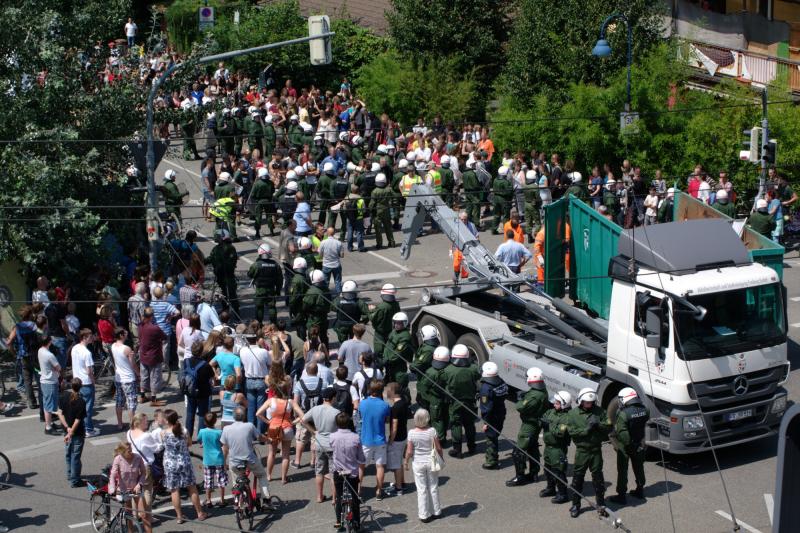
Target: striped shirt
[[136, 305], [188, 295], [162, 312]]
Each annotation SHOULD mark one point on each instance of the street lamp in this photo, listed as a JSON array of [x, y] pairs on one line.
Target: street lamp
[[603, 49]]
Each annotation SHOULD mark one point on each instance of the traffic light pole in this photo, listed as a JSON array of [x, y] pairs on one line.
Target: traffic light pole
[[152, 206], [762, 181]]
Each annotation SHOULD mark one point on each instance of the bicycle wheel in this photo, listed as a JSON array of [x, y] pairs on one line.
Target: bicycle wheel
[[244, 511], [133, 521], [5, 471], [100, 513]]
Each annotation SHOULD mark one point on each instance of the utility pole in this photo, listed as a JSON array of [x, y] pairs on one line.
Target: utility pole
[[152, 207], [762, 181]]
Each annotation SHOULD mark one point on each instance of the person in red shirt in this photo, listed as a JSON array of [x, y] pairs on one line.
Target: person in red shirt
[[105, 328], [290, 91], [694, 181]]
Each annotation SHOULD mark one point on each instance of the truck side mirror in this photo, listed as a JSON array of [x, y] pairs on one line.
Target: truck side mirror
[[654, 318]]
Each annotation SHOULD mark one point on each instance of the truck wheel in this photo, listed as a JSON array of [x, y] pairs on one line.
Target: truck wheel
[[477, 351], [446, 336]]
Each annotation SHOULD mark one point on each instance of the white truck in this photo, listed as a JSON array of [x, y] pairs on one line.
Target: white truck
[[695, 326]]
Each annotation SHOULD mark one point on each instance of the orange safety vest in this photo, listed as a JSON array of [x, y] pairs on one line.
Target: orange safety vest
[[538, 255], [519, 234], [458, 264]]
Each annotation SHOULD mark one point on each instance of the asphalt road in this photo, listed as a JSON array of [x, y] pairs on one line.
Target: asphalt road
[[473, 499]]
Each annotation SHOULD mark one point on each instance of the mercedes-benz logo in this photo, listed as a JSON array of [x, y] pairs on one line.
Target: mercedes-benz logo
[[740, 386]]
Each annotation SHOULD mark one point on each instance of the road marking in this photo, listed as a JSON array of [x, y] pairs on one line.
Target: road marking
[[796, 325], [252, 232], [246, 260], [748, 527], [394, 263], [105, 441], [770, 506], [28, 417], [377, 276], [159, 510], [182, 167], [795, 299]]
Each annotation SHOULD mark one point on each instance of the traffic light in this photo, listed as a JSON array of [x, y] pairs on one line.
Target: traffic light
[[320, 49], [769, 151], [751, 143]]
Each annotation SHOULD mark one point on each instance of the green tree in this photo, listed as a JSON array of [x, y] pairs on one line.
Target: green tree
[[51, 93], [551, 43], [471, 32]]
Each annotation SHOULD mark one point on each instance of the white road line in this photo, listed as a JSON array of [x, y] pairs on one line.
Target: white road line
[[177, 165], [252, 232], [28, 417], [748, 527], [164, 509], [796, 325], [377, 276], [770, 506], [394, 263], [246, 260], [795, 299], [105, 441]]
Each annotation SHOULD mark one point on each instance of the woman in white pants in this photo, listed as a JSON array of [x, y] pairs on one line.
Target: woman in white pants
[[421, 440]]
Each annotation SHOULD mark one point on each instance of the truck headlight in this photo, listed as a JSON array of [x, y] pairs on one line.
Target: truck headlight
[[693, 423], [779, 404]]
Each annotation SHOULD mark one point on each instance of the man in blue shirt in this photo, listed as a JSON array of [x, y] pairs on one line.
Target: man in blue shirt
[[512, 253], [374, 414], [302, 216]]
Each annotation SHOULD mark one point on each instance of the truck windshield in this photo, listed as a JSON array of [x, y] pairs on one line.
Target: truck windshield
[[736, 321]]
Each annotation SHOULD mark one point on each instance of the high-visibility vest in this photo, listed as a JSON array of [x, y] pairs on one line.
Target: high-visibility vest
[[407, 182], [360, 211], [223, 208], [435, 178]]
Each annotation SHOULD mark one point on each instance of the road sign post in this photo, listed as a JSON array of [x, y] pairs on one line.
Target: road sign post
[[629, 122], [206, 18]]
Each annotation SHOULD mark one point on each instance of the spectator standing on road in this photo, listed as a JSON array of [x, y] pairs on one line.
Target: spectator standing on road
[[307, 394], [130, 32], [48, 382], [398, 433], [215, 470], [350, 350], [375, 412], [422, 440], [320, 421], [23, 339], [164, 313], [332, 250], [128, 474], [126, 374], [151, 357], [276, 414], [83, 369], [136, 305], [651, 207], [178, 469], [256, 360], [348, 462], [72, 412], [228, 363], [57, 327], [204, 378], [149, 447], [775, 210]]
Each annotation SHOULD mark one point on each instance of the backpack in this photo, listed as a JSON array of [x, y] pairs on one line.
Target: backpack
[[367, 381], [188, 379], [312, 398], [343, 400]]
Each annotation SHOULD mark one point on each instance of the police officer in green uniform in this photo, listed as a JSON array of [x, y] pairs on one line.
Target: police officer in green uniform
[[501, 203], [223, 259], [188, 128], [173, 199], [339, 189], [227, 130], [261, 198], [324, 191], [461, 382], [255, 131], [295, 133], [350, 310], [530, 407], [357, 152], [297, 292], [433, 388], [629, 429], [398, 352], [316, 304], [382, 200], [724, 205], [269, 137], [448, 181], [472, 193], [533, 204], [224, 186], [556, 443], [302, 184], [238, 139], [268, 279], [381, 318], [576, 189], [761, 221], [610, 199], [423, 358], [493, 395], [588, 427], [305, 250]]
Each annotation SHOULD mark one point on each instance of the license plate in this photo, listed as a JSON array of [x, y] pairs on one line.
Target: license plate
[[738, 415]]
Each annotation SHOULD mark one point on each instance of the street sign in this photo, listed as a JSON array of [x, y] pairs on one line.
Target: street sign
[[320, 49], [206, 18], [628, 122]]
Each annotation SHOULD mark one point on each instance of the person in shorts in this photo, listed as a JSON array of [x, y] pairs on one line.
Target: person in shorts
[[126, 376], [374, 414], [320, 421], [215, 474]]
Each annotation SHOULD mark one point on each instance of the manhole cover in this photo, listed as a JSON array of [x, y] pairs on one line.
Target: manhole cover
[[420, 274]]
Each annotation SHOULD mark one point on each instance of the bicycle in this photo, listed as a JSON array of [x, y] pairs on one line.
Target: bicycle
[[5, 471], [100, 515], [348, 524], [246, 500]]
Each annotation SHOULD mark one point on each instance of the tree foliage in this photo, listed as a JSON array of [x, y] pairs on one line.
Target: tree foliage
[[405, 90], [183, 22], [51, 92], [470, 32], [551, 43]]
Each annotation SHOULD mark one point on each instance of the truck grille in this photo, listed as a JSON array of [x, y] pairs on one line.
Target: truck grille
[[727, 392]]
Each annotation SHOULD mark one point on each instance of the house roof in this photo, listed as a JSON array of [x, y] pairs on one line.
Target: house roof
[[369, 13]]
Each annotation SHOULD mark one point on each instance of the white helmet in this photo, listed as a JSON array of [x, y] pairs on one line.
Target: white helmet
[[388, 288], [187, 104], [294, 117], [349, 286], [402, 164], [445, 160], [226, 111], [343, 136], [722, 194], [304, 243], [375, 167], [299, 263], [429, 332], [306, 127], [564, 398], [381, 149], [380, 179], [235, 110], [400, 317], [317, 276], [169, 175], [327, 167], [262, 172], [264, 249], [627, 395], [761, 204], [291, 175], [224, 176], [252, 109], [502, 171], [575, 176], [459, 351], [411, 156], [587, 395], [441, 353], [268, 118], [300, 171], [357, 140], [530, 176], [291, 186], [535, 378], [489, 369]]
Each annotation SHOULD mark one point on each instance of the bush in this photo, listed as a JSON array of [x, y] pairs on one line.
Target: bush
[[183, 20]]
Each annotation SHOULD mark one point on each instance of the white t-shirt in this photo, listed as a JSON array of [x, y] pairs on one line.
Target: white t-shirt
[[130, 29], [123, 371], [255, 361], [358, 379], [189, 337], [47, 363], [81, 363]]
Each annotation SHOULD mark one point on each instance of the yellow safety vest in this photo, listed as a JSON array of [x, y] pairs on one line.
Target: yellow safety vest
[[407, 183], [223, 208], [436, 181]]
